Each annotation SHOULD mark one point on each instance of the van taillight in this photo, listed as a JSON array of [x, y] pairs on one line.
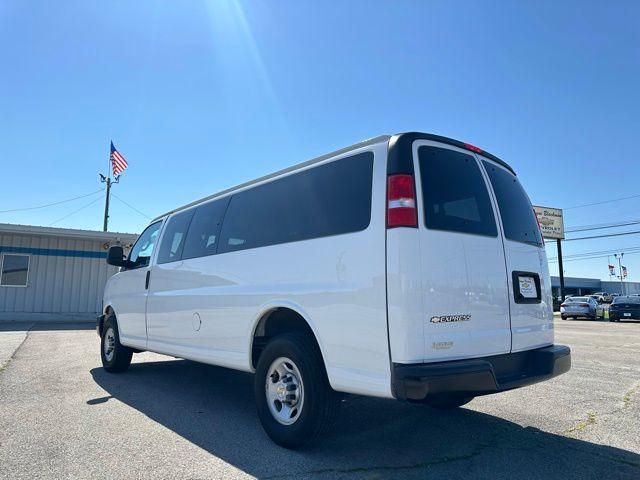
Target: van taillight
[[401, 202]]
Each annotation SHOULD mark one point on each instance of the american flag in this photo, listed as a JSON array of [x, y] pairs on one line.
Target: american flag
[[118, 162]]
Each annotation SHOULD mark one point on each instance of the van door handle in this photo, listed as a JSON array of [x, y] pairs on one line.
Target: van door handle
[[146, 281]]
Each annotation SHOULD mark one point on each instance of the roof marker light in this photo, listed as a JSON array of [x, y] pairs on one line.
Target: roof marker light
[[473, 148]]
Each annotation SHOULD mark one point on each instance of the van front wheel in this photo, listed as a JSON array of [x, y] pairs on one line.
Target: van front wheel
[[294, 400], [115, 356], [447, 401]]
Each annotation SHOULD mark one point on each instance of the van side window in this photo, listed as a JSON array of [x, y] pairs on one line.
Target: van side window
[[202, 238], [175, 232], [143, 249], [454, 192], [331, 199], [518, 219]]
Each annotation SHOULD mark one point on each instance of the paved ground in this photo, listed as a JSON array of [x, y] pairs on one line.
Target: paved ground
[[62, 416]]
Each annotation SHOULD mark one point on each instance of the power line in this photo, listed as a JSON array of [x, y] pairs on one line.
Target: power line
[[602, 236], [76, 211], [50, 204], [591, 258], [599, 252], [601, 203], [131, 207], [601, 226]]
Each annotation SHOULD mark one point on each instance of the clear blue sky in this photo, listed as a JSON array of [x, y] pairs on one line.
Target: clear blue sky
[[200, 96]]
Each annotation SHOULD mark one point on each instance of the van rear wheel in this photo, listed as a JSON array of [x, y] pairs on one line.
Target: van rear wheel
[[447, 401], [293, 397]]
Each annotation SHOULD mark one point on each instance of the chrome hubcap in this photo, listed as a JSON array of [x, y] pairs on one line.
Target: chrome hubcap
[[285, 391], [109, 344]]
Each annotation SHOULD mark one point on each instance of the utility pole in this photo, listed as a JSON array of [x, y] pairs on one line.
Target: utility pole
[[109, 182], [620, 271], [106, 206], [559, 241]]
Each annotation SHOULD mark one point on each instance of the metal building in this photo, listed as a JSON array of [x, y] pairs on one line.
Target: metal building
[[54, 273], [585, 286]]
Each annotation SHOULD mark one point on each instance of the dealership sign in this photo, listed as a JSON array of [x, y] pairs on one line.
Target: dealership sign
[[551, 222]]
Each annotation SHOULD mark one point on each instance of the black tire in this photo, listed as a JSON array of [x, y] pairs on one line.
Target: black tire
[[118, 359], [447, 401], [563, 317], [320, 403]]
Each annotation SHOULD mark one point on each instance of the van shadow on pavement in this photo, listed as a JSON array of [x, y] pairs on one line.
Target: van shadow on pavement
[[213, 408]]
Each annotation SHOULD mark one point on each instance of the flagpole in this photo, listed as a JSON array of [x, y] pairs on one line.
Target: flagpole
[[619, 258], [117, 164]]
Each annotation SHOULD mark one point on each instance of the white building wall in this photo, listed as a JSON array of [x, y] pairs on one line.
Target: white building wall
[[66, 276]]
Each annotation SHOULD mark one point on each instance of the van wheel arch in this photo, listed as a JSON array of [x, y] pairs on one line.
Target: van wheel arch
[[108, 311], [275, 322]]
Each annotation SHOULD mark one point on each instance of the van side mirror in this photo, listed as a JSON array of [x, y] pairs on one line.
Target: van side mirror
[[115, 257]]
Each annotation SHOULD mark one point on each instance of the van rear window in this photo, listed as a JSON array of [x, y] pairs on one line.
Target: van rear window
[[518, 219], [331, 199], [454, 193]]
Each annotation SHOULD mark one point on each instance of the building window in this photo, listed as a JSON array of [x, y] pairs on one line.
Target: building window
[[15, 270]]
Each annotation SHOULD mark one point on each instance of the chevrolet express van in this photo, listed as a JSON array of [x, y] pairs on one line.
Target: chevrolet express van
[[408, 266]]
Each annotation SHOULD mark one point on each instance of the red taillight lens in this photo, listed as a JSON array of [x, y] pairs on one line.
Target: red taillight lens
[[401, 202]]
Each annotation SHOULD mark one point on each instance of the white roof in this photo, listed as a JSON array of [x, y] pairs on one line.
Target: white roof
[[65, 232], [371, 141]]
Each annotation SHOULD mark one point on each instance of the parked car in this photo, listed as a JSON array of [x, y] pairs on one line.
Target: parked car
[[625, 308], [407, 266], [605, 297], [575, 307], [597, 298]]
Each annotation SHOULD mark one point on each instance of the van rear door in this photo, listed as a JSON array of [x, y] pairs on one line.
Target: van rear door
[[527, 270], [465, 297]]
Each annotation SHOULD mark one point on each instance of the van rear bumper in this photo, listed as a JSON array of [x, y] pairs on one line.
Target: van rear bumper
[[479, 376]]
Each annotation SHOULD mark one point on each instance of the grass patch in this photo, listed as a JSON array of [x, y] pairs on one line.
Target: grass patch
[[591, 420], [626, 400], [4, 366]]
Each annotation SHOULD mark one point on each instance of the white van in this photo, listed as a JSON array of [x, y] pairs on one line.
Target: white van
[[408, 266]]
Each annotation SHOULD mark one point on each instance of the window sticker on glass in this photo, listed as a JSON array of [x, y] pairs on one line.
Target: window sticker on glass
[[528, 287]]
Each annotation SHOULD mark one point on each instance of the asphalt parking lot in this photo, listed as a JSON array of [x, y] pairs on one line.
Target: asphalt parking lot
[[63, 416]]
